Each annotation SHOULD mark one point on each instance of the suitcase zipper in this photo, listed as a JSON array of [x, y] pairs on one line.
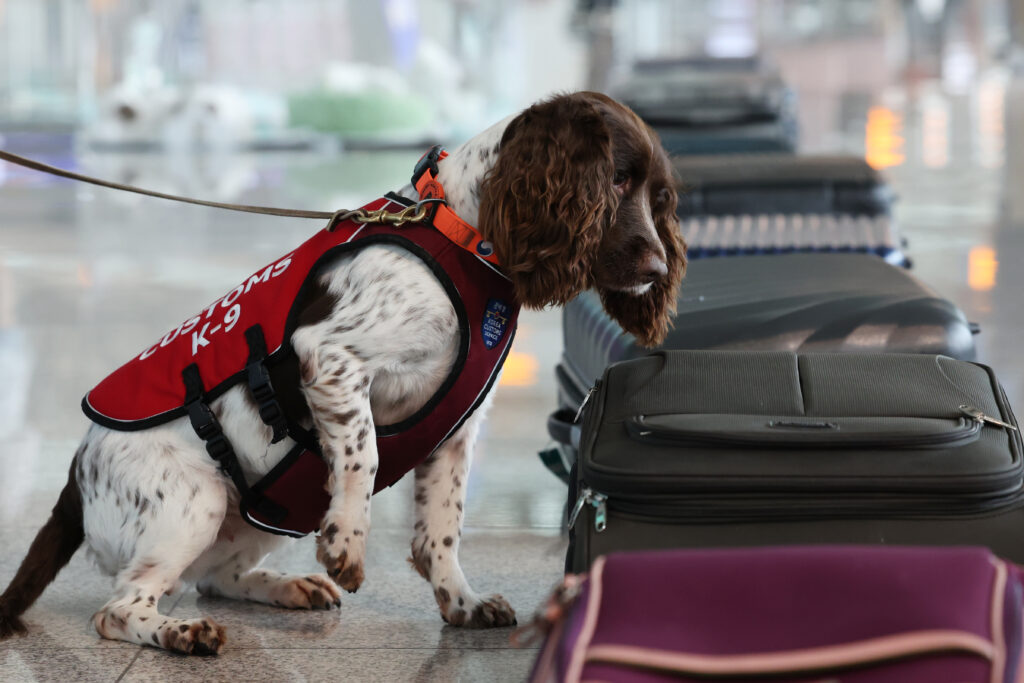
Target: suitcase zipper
[[980, 417], [706, 512], [599, 501]]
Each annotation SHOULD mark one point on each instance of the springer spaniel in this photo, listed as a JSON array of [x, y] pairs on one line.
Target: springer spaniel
[[574, 192]]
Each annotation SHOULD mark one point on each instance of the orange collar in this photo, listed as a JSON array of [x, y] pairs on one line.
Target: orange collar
[[440, 215]]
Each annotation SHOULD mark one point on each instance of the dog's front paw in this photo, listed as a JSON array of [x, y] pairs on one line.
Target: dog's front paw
[[488, 612], [305, 592], [342, 552], [196, 637]]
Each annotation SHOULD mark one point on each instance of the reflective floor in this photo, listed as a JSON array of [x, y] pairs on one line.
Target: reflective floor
[[88, 277]]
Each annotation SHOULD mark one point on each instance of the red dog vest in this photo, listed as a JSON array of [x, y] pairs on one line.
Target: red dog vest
[[209, 353]]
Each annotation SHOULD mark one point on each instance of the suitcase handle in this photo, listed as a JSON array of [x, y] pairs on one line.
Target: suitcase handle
[[777, 431], [560, 426]]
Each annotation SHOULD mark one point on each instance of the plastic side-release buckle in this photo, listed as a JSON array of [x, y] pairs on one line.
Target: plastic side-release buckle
[[260, 387], [204, 422], [424, 175], [266, 400], [428, 162]]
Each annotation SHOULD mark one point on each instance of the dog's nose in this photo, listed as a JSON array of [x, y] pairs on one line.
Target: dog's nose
[[652, 269]]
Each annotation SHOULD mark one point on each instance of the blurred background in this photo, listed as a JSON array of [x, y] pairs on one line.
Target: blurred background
[[323, 104], [326, 104]]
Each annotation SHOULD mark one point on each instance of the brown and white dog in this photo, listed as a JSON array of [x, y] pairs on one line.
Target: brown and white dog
[[574, 193]]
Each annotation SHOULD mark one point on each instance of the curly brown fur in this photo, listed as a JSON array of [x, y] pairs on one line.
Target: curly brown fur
[[581, 196], [546, 200]]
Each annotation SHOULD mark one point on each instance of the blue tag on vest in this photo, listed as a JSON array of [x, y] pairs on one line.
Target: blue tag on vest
[[495, 322]]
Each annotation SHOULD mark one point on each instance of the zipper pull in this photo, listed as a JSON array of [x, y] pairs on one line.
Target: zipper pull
[[584, 498], [978, 416], [601, 515], [598, 500], [583, 405]]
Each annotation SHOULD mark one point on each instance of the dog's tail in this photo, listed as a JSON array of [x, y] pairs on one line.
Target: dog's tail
[[53, 546]]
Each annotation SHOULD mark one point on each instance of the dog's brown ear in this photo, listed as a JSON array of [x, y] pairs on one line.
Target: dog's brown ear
[[649, 316], [546, 201]]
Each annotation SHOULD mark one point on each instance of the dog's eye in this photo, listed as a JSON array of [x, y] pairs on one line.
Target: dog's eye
[[620, 178]]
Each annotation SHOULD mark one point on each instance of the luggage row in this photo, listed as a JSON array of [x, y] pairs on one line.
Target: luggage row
[[811, 479]]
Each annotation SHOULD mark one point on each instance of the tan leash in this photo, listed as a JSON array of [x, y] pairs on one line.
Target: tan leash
[[412, 214]]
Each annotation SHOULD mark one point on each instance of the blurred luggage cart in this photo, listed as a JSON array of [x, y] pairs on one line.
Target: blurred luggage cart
[[788, 302], [706, 105], [771, 204]]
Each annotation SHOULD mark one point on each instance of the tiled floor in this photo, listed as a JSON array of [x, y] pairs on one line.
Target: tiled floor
[[88, 277]]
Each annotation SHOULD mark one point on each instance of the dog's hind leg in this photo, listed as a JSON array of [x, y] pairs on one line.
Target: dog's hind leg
[[132, 614], [231, 570], [150, 524]]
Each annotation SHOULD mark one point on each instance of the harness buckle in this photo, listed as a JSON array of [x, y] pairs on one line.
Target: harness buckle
[[262, 392], [204, 422], [259, 382], [219, 448], [270, 412], [428, 162]]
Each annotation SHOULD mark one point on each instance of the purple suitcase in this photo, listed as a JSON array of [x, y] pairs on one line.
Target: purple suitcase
[[849, 614]]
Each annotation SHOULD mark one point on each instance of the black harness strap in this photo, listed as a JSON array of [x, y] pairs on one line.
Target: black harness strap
[[208, 428], [259, 384]]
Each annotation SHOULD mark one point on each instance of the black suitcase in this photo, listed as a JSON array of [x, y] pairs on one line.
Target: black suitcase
[[769, 204], [793, 302], [687, 449], [706, 105]]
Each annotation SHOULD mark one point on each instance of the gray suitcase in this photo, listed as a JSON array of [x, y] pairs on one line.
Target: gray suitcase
[[686, 449]]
